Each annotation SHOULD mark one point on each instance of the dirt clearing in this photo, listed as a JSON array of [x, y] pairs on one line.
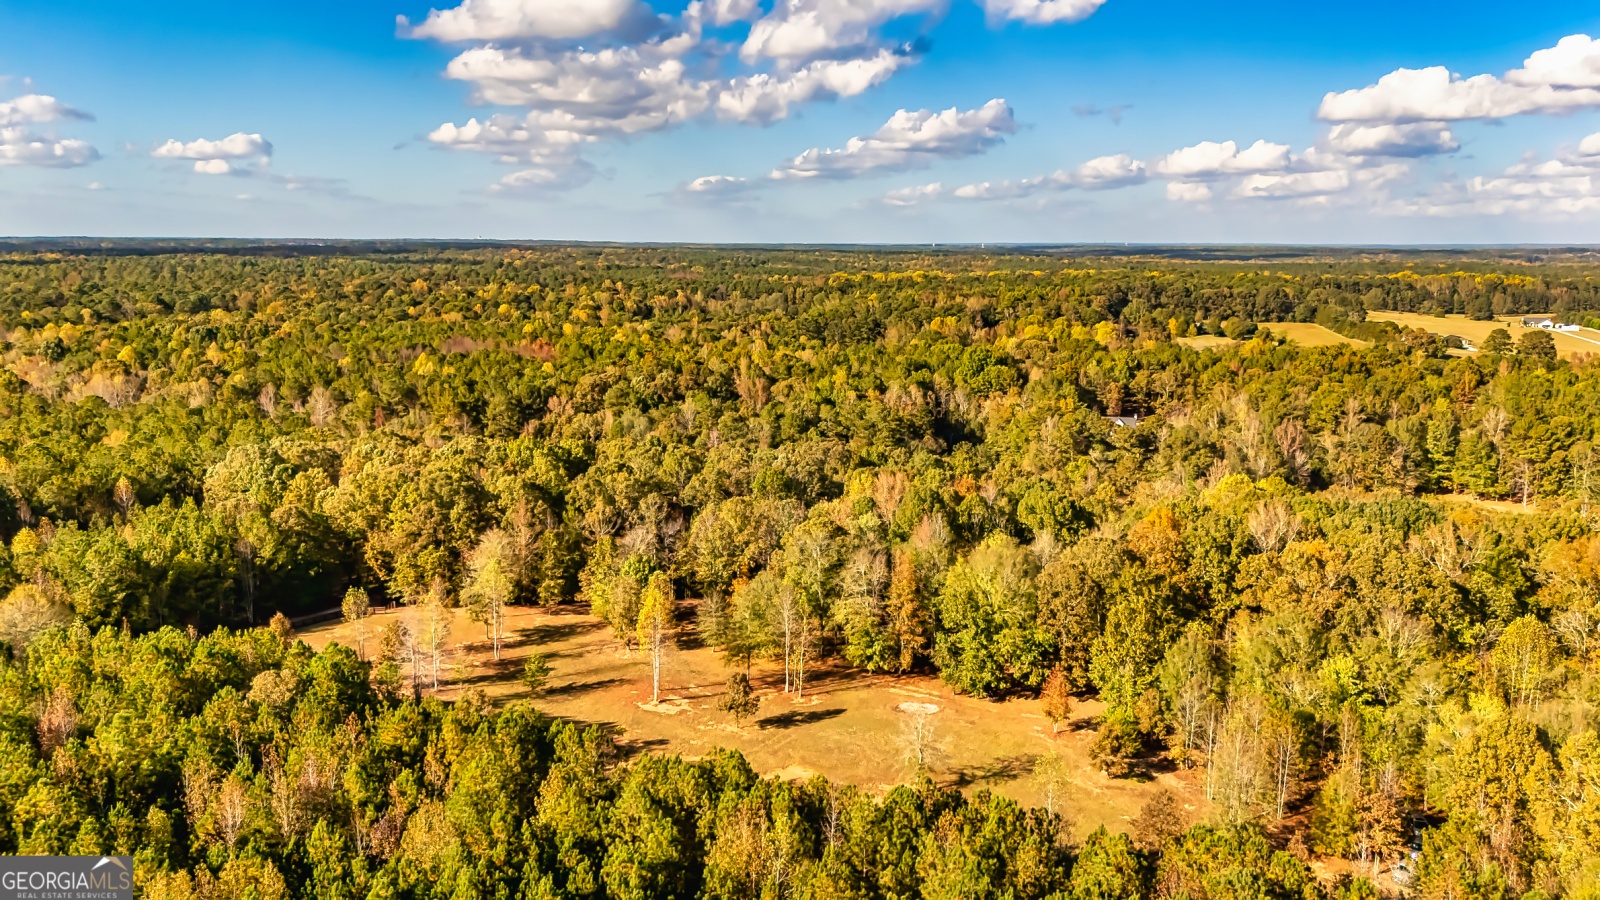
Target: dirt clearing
[[849, 726]]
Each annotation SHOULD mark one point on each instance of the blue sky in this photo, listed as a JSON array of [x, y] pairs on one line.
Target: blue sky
[[804, 120]]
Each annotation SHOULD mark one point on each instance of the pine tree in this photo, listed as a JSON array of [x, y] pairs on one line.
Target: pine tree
[[738, 700]]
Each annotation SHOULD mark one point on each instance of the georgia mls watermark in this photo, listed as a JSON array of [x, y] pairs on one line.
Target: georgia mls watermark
[[66, 878]]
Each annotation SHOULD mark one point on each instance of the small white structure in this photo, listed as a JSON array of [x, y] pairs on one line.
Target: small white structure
[[1547, 324], [1124, 421]]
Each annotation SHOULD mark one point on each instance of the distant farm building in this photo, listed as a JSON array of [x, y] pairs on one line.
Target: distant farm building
[[1124, 421], [1546, 324]]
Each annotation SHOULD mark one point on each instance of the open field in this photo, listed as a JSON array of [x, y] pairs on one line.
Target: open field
[[848, 727], [1567, 345], [1207, 342], [1310, 334], [1306, 334]]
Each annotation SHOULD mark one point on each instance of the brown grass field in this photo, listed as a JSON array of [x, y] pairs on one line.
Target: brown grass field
[[1207, 342], [1310, 334], [848, 727], [1306, 334], [1567, 345]]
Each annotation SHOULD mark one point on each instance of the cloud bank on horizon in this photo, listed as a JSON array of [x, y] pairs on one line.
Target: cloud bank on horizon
[[554, 88], [1365, 155]]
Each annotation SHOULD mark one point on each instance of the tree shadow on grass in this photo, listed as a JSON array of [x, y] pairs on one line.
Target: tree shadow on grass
[[629, 749], [579, 688], [1158, 764], [538, 635], [824, 679], [999, 770], [795, 718], [490, 671]]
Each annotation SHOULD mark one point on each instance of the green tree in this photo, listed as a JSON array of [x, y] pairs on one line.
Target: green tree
[[356, 607], [1537, 344], [1108, 867], [535, 673], [738, 700], [490, 586], [1523, 660], [990, 640]]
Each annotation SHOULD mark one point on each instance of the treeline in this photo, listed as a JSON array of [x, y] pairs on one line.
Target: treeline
[[1141, 292], [906, 469]]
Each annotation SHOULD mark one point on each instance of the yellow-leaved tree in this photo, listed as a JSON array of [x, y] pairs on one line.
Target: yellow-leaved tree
[[656, 606]]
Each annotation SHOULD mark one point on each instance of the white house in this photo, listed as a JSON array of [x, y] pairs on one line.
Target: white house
[[1547, 324]]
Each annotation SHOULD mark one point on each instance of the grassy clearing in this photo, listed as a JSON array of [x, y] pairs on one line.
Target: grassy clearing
[[1207, 342], [848, 727], [1310, 334], [1512, 507], [1567, 345]]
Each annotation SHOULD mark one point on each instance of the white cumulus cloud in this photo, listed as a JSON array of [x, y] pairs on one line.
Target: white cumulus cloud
[[726, 12], [545, 179], [1566, 187], [716, 188], [716, 184], [627, 89], [1561, 79], [1574, 62], [1041, 12], [1294, 184], [604, 70], [913, 195], [498, 20], [1533, 190], [1107, 172], [515, 140], [909, 140], [802, 30], [1098, 174], [1102, 173], [1412, 139], [1008, 189], [236, 153], [21, 145], [33, 108], [1209, 159], [765, 98]]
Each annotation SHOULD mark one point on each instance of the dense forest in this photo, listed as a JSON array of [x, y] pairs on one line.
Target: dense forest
[[1293, 570]]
